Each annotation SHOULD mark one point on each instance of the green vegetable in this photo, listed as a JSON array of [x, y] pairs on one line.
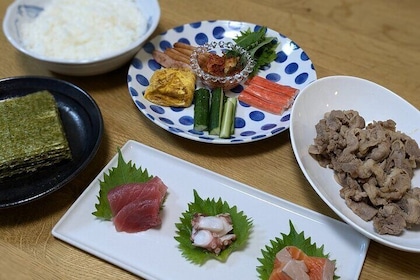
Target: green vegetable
[[201, 109], [124, 173], [242, 226], [228, 118], [216, 111], [292, 239], [261, 47]]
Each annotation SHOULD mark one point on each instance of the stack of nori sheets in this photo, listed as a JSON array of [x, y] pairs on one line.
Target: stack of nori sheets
[[31, 134]]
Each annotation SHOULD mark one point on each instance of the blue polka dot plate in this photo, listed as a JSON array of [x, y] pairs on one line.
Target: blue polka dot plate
[[292, 67]]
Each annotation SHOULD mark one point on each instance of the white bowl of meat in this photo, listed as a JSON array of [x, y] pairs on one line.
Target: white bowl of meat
[[357, 144], [80, 37]]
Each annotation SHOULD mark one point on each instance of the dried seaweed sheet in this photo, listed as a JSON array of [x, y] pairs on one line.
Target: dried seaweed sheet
[[31, 134]]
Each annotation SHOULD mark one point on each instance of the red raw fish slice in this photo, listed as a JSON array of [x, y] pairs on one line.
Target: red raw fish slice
[[320, 268], [125, 194], [317, 268], [138, 216]]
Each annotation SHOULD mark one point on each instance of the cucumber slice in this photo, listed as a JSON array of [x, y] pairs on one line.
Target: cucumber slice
[[228, 118], [201, 109], [216, 111]]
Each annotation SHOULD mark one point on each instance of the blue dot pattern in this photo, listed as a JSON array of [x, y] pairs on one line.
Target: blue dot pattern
[[291, 67]]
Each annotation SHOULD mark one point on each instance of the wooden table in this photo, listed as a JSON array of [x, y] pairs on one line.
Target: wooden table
[[378, 40]]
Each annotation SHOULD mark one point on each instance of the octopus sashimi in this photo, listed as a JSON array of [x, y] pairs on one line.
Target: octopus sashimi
[[292, 263], [136, 206]]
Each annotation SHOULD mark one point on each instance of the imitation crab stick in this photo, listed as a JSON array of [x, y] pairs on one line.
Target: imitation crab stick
[[269, 85], [260, 103], [267, 95]]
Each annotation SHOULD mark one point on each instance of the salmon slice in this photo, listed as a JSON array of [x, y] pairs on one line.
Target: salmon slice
[[320, 268], [292, 270], [291, 263], [296, 253]]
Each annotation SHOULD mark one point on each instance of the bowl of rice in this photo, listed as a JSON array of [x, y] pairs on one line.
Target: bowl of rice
[[80, 37]]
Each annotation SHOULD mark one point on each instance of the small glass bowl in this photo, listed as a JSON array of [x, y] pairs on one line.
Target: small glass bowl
[[225, 82]]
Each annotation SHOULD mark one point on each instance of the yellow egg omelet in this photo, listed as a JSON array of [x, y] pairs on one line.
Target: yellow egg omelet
[[171, 87]]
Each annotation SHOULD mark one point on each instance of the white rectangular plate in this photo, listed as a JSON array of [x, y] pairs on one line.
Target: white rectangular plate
[[154, 254]]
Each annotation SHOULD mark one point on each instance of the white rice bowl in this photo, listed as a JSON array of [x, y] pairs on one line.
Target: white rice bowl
[[105, 35]]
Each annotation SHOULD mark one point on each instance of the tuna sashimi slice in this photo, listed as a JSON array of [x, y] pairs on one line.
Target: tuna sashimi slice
[[135, 207], [139, 215], [123, 195]]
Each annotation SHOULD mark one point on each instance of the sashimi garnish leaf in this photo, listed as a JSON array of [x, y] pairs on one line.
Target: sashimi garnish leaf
[[292, 239], [259, 45], [242, 226], [123, 173]]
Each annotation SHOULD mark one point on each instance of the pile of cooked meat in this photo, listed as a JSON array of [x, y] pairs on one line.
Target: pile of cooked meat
[[374, 165]]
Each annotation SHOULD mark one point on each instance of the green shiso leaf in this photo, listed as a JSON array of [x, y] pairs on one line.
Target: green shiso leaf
[[124, 173], [242, 226], [292, 239], [261, 47]]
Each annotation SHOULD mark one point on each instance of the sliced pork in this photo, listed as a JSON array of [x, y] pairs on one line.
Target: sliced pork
[[374, 164]]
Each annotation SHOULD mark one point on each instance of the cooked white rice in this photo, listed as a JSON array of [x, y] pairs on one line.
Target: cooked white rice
[[81, 30]]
